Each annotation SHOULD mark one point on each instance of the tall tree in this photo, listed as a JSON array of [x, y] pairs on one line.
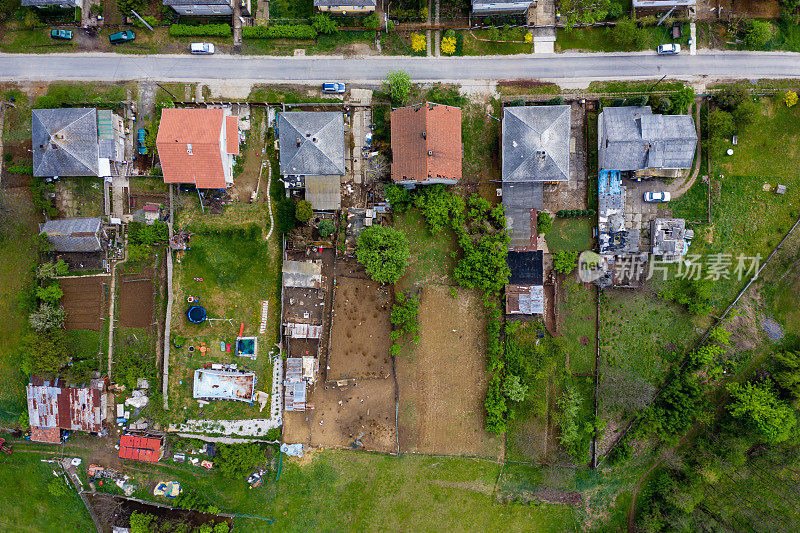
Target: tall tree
[[759, 406], [384, 252]]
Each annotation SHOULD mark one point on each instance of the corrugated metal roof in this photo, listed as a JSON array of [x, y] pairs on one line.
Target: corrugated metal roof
[[51, 405], [304, 274], [73, 234], [324, 192]]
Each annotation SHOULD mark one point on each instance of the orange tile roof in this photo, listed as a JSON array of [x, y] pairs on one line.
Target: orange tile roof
[[200, 130], [426, 143], [232, 134]]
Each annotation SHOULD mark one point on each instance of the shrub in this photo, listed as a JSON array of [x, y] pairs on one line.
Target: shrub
[[322, 23], [638, 101], [681, 100], [150, 19], [564, 262], [448, 45], [50, 294], [558, 100], [47, 317], [398, 84], [628, 35], [287, 220], [759, 406], [371, 22], [730, 97], [544, 222], [200, 30], [720, 124], [418, 42], [790, 98], [326, 227], [744, 114], [284, 31], [303, 211], [28, 169], [274, 434], [236, 460], [758, 34]]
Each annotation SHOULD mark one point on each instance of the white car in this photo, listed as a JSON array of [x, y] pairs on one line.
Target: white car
[[202, 48], [668, 49], [656, 196]]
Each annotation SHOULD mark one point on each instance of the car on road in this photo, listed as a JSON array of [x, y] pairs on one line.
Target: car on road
[[332, 87], [202, 48], [65, 35], [668, 49], [657, 196], [140, 137], [122, 37]]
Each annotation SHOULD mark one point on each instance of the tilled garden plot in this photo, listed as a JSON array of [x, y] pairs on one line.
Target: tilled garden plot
[[84, 300]]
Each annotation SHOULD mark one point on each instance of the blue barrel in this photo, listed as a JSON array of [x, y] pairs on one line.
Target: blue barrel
[[196, 314]]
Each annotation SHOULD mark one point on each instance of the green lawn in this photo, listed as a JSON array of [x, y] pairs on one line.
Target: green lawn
[[474, 47], [33, 41], [480, 135], [431, 260], [745, 218], [238, 273], [599, 39], [578, 310], [27, 504], [570, 234], [84, 93]]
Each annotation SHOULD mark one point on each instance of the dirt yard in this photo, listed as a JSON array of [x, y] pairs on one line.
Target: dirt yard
[[442, 381], [136, 299], [361, 411], [360, 335], [84, 300]]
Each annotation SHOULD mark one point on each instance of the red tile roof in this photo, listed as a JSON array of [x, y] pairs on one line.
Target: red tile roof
[[232, 134], [48, 435], [426, 143], [189, 148], [140, 448]]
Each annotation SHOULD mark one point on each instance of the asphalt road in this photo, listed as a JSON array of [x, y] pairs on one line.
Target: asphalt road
[[111, 67]]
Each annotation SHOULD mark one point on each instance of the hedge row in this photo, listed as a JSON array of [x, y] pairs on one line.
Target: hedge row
[[283, 31], [200, 30]]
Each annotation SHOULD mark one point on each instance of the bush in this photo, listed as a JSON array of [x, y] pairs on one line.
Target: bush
[[759, 406], [287, 220], [274, 434], [638, 101], [398, 84], [418, 42], [544, 222], [284, 31], [150, 19], [20, 169], [50, 294], [744, 114], [237, 460], [628, 35], [303, 211], [564, 262], [322, 23], [558, 100], [448, 45], [47, 317], [681, 100], [326, 227], [758, 34], [730, 97], [371, 22], [200, 30], [790, 98]]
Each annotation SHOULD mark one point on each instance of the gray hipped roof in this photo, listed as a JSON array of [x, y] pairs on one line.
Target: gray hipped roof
[[65, 142], [60, 3], [536, 143], [311, 143], [73, 234], [358, 3], [633, 138]]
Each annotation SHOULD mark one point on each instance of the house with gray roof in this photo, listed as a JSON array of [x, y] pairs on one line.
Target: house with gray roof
[[346, 7], [73, 234], [634, 139], [210, 8], [535, 151], [312, 154], [669, 239], [484, 7], [65, 142], [64, 4]]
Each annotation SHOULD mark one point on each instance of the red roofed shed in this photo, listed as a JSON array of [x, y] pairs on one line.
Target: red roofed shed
[[141, 448]]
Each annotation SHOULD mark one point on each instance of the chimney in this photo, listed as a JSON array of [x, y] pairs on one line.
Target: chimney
[[189, 148], [424, 134], [298, 142], [430, 152], [314, 139]]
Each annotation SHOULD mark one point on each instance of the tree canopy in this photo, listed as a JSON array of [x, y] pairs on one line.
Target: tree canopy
[[758, 404], [237, 460], [398, 83], [304, 211], [384, 253]]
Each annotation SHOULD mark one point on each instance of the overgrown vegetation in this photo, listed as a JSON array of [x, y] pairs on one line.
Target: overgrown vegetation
[[404, 320]]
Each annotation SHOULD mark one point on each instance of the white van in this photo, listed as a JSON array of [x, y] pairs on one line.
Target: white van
[[202, 48]]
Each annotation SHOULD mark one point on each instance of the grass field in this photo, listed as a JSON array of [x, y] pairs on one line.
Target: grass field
[[578, 331], [480, 134], [745, 218], [570, 234], [33, 41], [596, 39], [238, 274], [431, 260], [27, 504], [475, 47]]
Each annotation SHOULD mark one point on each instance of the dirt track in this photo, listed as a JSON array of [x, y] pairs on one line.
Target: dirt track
[[84, 300], [442, 381]]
